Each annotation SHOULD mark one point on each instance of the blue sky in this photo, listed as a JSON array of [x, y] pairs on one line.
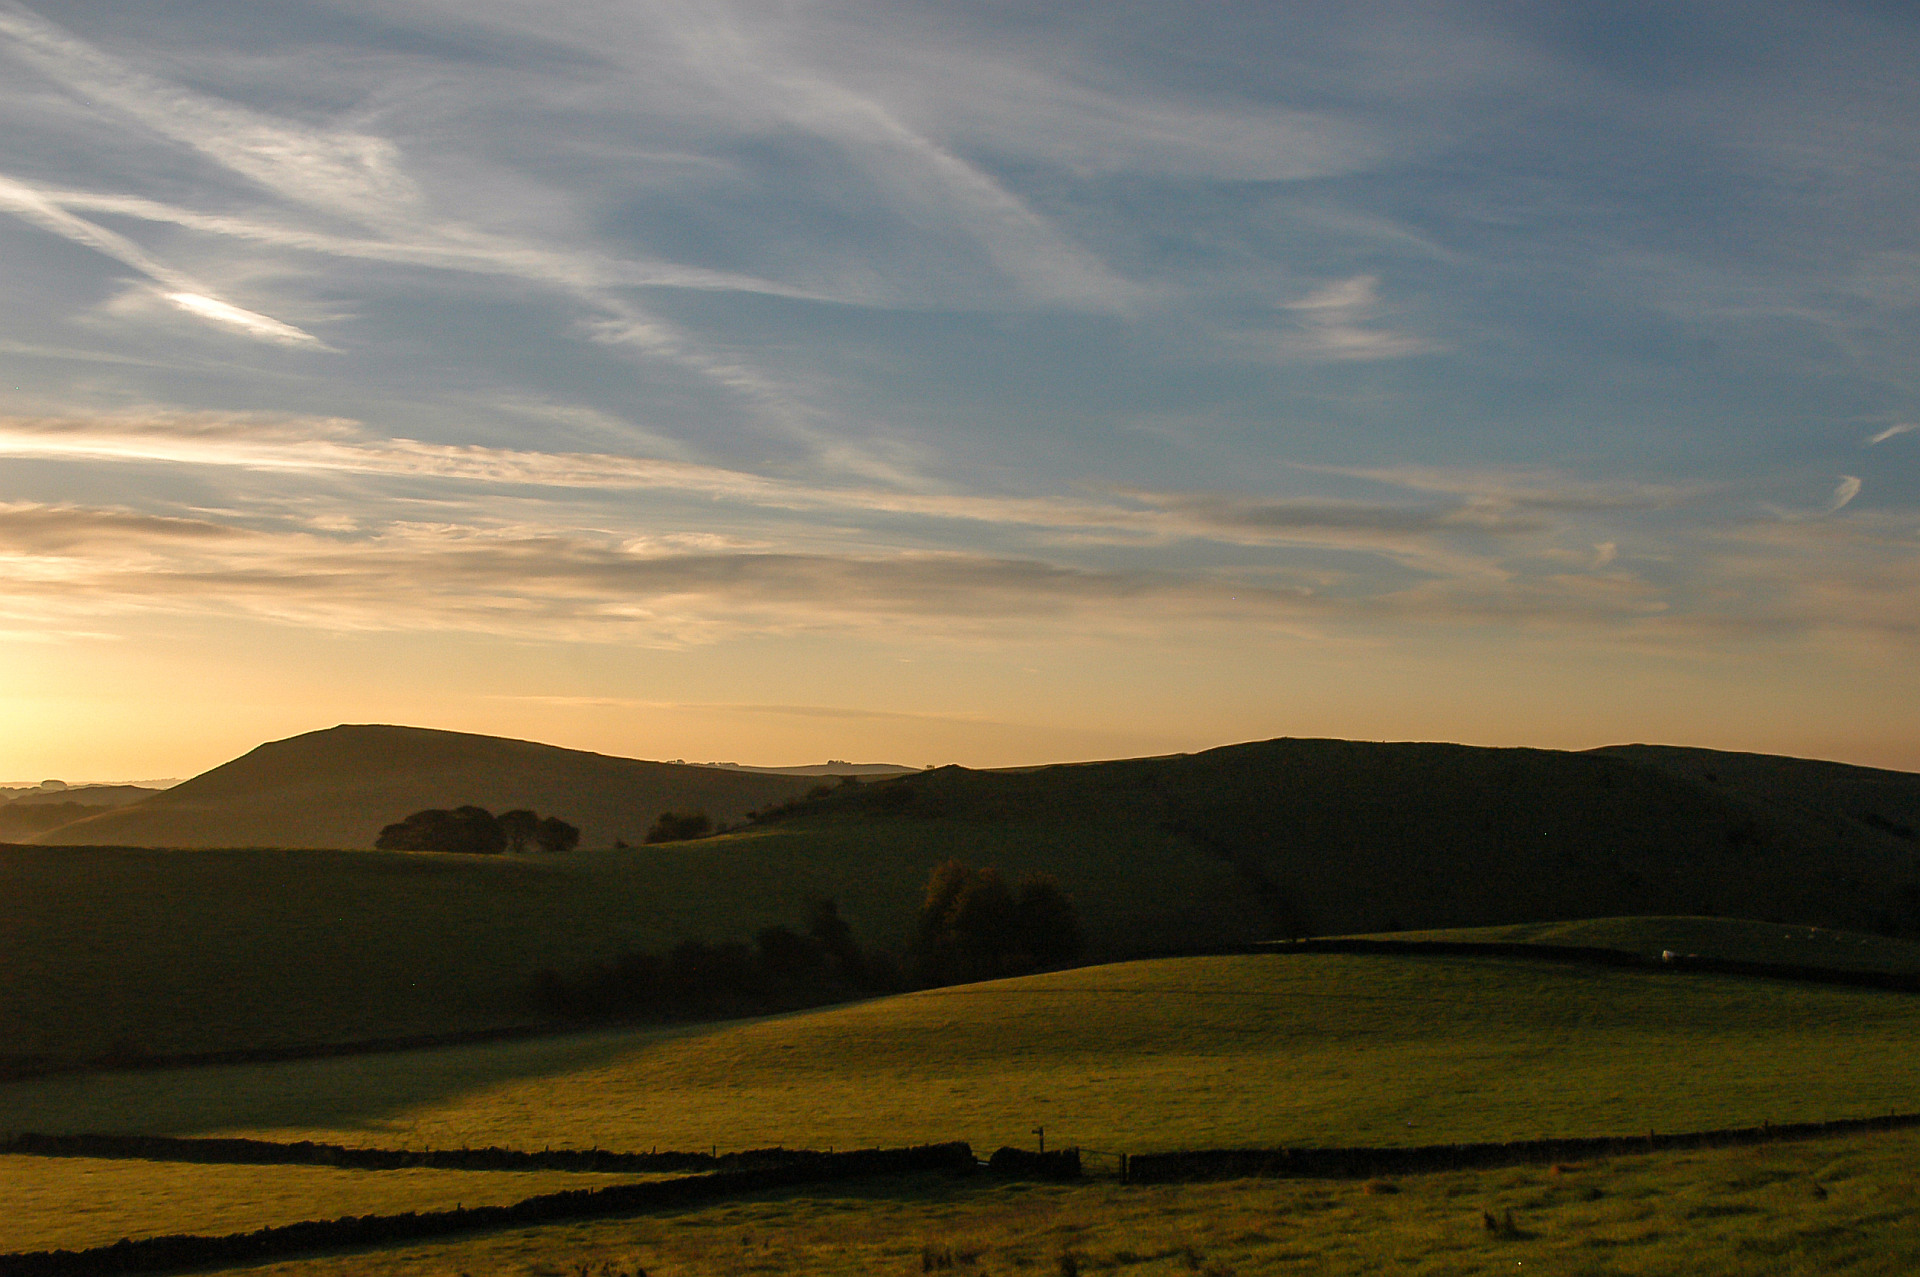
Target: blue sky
[[985, 383]]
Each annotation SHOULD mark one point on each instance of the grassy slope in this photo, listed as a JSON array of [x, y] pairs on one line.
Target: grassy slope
[[1348, 836], [339, 787], [221, 949], [1735, 938], [50, 1203], [1175, 1053], [1732, 1213], [208, 950]]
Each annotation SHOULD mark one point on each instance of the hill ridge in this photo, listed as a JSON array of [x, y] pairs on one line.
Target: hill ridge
[[338, 786]]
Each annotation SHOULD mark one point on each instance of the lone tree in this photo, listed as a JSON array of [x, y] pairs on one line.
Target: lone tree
[[674, 826]]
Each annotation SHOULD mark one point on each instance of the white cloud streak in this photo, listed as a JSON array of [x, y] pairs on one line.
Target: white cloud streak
[[178, 288], [1403, 530]]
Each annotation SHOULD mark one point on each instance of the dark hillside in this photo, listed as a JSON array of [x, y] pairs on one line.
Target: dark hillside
[[1846, 801], [212, 949], [1336, 836], [337, 788]]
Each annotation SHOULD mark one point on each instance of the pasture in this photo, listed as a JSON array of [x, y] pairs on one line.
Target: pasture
[[74, 1202], [1845, 1206], [1135, 1057]]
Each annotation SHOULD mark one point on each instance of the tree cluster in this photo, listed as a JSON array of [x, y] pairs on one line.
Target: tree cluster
[[477, 831], [780, 970], [677, 826], [973, 926]]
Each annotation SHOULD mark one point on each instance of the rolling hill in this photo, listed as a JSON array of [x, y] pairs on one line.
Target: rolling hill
[[1205, 1052], [337, 788], [1331, 836], [215, 949]]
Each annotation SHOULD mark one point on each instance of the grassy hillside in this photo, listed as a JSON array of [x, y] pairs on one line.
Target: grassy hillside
[[173, 951], [1835, 794], [1733, 938], [1172, 1053], [1349, 836], [339, 787], [220, 949]]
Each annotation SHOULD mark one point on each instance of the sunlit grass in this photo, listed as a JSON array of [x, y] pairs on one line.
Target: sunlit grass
[[1135, 1057], [73, 1202], [1735, 938], [1843, 1206]]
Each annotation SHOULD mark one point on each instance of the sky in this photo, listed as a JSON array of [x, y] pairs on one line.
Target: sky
[[984, 383]]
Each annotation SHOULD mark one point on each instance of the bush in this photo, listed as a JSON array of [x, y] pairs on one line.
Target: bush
[[781, 970]]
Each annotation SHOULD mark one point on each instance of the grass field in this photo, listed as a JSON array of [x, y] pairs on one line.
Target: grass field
[[1135, 1057], [1841, 1206], [50, 1203], [1713, 937]]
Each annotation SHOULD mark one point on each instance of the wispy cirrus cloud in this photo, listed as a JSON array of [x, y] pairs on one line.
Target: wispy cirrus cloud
[[541, 583], [1407, 530], [176, 287], [1338, 322]]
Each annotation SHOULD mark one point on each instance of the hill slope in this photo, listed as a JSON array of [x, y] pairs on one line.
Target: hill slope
[[226, 949], [1165, 1054], [1337, 836], [339, 787]]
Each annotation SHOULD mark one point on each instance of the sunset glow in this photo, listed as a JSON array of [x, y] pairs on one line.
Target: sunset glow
[[956, 383]]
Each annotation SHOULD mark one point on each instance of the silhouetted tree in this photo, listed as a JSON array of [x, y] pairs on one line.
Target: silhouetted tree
[[972, 926], [464, 829], [520, 827], [782, 969], [676, 826], [784, 954], [1047, 922], [704, 977], [835, 937], [555, 835]]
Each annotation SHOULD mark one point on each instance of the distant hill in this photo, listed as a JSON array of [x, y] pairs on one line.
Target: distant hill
[[339, 787], [1243, 843], [85, 796], [1331, 836], [832, 767]]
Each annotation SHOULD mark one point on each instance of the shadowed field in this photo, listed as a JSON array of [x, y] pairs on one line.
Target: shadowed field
[[175, 951]]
